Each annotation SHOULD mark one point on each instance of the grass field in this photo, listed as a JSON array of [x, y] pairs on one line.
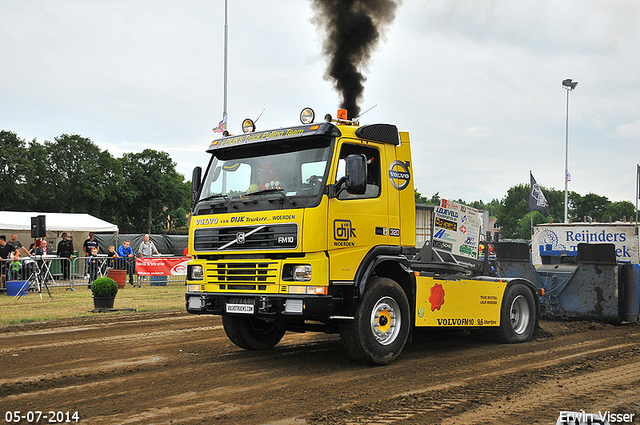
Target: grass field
[[78, 303]]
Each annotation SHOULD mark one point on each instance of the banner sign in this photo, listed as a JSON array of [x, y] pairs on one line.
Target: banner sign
[[159, 266], [566, 237]]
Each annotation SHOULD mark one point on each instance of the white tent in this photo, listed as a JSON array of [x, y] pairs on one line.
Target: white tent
[[77, 226], [57, 222]]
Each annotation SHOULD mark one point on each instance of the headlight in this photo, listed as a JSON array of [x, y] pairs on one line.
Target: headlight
[[195, 272], [301, 273]]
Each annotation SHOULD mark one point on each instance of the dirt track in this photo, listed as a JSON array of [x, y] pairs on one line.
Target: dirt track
[[143, 368]]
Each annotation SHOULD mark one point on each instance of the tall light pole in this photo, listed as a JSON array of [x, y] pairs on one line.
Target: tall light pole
[[569, 85]]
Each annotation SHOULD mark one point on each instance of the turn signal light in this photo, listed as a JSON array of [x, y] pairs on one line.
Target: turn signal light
[[309, 290]]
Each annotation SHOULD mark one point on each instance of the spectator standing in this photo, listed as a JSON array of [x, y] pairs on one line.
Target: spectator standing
[[147, 248], [89, 244], [5, 250], [17, 244], [15, 266], [65, 250], [126, 253], [113, 255], [93, 264]]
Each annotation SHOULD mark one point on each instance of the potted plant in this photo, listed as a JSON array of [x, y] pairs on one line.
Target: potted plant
[[104, 290]]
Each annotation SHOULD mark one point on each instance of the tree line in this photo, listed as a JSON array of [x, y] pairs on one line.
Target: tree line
[[142, 192], [514, 218], [139, 192]]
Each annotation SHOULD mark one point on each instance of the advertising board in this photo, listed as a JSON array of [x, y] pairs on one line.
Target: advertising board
[[566, 237], [456, 231]]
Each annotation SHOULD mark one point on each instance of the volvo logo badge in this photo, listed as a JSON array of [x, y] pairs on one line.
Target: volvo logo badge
[[240, 238]]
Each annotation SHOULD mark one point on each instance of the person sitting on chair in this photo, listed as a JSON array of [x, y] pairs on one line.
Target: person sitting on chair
[[41, 252]]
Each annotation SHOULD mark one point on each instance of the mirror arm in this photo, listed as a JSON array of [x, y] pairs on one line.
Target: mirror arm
[[333, 190]]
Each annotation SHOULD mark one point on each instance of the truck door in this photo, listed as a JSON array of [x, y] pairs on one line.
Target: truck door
[[357, 222]]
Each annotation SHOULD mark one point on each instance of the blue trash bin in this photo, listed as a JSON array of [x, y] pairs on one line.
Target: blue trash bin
[[17, 287]]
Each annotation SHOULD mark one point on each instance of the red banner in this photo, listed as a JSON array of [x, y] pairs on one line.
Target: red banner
[[161, 266]]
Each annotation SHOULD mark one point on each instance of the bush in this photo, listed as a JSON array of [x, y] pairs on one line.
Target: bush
[[104, 287]]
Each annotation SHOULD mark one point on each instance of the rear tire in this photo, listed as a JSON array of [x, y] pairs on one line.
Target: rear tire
[[251, 333], [381, 326], [517, 316]]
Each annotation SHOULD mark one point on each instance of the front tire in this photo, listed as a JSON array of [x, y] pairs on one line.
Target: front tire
[[251, 333], [381, 326], [517, 316]]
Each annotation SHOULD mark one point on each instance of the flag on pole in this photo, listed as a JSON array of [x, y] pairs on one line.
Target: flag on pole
[[222, 126], [537, 200], [567, 177]]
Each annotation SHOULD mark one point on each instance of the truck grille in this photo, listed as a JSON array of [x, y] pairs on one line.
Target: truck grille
[[272, 236], [242, 276]]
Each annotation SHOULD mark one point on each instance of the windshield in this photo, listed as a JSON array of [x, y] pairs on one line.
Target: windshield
[[291, 174]]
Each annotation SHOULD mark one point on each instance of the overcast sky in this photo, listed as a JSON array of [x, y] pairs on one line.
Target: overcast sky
[[477, 84]]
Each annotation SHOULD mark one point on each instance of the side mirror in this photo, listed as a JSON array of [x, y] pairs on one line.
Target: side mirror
[[196, 182], [356, 173]]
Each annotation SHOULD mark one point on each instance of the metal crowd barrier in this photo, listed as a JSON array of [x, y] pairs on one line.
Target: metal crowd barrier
[[158, 270], [86, 269], [79, 271], [83, 265], [49, 267]]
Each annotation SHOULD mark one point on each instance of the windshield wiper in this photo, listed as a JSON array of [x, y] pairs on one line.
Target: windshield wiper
[[219, 195], [279, 191], [208, 198]]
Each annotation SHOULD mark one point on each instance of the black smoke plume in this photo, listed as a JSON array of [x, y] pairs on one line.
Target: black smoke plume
[[353, 29]]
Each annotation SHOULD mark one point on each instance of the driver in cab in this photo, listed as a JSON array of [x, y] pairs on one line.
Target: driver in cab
[[267, 177]]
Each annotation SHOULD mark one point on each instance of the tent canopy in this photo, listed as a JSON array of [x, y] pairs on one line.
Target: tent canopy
[[61, 222]]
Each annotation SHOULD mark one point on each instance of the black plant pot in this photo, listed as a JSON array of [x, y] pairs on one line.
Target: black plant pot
[[103, 302]]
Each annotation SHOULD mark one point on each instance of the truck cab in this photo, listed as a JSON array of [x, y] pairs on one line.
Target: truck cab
[[307, 228]]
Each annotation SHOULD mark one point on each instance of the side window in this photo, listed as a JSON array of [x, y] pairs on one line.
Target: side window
[[373, 170]]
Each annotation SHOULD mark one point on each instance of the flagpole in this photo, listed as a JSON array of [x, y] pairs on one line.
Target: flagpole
[[566, 164], [224, 106], [569, 85], [531, 211], [531, 215], [226, 43], [637, 193]]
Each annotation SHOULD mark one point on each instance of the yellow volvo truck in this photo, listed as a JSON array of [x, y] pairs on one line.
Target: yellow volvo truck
[[312, 228]]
